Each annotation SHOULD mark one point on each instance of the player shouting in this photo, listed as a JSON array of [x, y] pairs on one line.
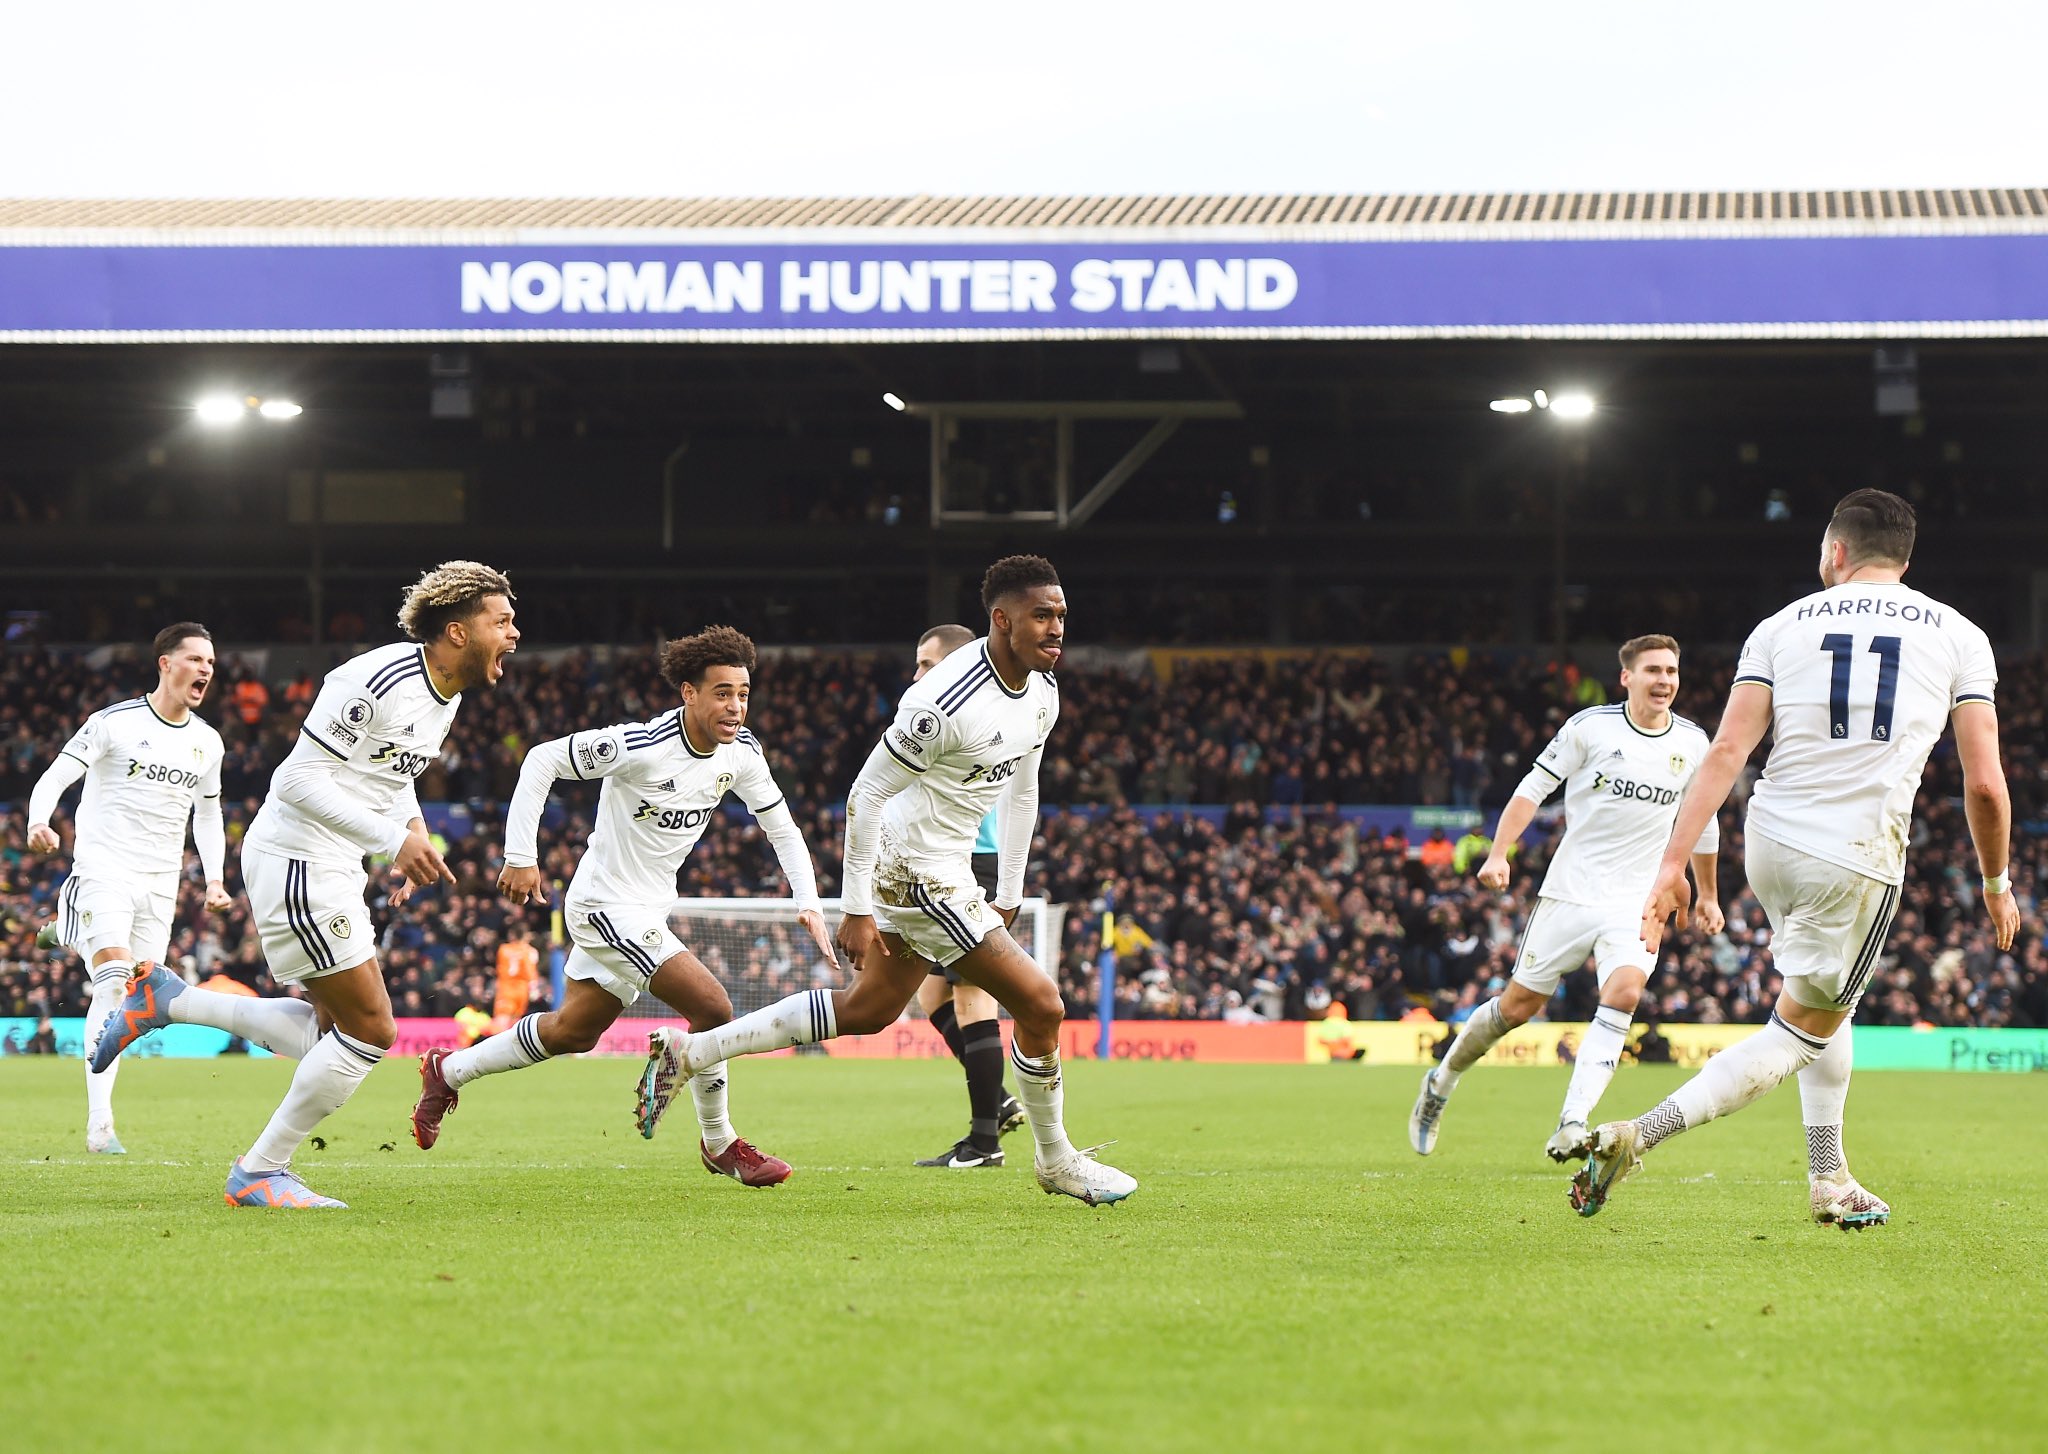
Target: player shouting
[[345, 791], [150, 766]]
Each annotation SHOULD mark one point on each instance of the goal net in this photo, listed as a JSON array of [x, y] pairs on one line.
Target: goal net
[[761, 954]]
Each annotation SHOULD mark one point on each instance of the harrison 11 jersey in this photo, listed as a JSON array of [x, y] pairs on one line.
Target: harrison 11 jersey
[[1862, 677]]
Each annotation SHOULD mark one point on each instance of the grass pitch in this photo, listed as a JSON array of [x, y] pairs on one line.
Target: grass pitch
[[1290, 1275]]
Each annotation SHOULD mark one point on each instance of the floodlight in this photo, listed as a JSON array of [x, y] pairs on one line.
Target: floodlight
[[220, 409], [1511, 406], [1573, 407], [279, 409], [894, 402]]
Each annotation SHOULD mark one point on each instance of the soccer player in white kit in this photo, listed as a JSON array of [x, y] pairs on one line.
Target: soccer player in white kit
[[1623, 769], [150, 766], [966, 1017], [345, 791], [967, 737], [1854, 684], [663, 783]]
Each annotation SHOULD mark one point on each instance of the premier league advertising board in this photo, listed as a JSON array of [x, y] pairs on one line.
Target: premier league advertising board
[[1603, 287]]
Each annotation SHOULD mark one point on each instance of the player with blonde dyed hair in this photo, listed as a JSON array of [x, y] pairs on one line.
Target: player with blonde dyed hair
[[345, 791]]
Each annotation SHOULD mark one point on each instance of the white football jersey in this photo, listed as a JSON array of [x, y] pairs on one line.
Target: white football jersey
[[658, 797], [965, 735], [1622, 788], [143, 775], [1863, 677], [381, 723]]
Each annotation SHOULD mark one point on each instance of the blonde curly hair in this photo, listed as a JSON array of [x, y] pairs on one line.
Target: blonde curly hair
[[454, 590]]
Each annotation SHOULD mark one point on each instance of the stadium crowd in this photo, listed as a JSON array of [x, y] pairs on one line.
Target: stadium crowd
[[1245, 884]]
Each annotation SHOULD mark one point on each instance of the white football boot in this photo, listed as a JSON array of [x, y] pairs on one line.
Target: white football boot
[[1614, 1156], [1569, 1142], [1079, 1175], [1842, 1200], [1422, 1120]]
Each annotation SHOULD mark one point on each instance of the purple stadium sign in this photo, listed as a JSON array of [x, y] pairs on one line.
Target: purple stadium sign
[[1609, 287]]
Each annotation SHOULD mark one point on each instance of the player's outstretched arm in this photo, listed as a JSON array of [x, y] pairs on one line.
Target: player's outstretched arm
[[1743, 724], [881, 778], [210, 837], [778, 826], [1706, 877], [1565, 754], [545, 762], [1016, 825], [1515, 819], [1987, 804], [63, 771]]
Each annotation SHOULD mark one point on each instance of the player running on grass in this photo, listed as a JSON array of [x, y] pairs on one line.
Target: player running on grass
[[966, 738], [1854, 684], [150, 766], [965, 1016], [663, 782], [1623, 769], [345, 791]]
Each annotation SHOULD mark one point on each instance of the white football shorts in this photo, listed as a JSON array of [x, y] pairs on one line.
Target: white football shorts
[[1829, 924], [1559, 937], [133, 913], [941, 917], [312, 916], [619, 947]]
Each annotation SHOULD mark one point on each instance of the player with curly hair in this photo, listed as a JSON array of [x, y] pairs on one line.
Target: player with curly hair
[[663, 783]]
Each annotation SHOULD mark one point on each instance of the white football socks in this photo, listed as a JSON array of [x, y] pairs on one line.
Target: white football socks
[[1599, 1052], [512, 1049], [280, 1025], [1044, 1101], [1481, 1031], [1740, 1074], [109, 987], [801, 1019], [708, 1090], [327, 1076], [1823, 1092]]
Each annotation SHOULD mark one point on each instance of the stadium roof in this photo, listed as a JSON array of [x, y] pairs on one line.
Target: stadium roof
[[1916, 210]]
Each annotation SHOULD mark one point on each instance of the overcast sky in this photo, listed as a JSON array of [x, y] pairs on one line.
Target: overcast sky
[[463, 99]]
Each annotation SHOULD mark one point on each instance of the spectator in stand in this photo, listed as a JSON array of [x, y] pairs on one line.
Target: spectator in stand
[[1236, 906]]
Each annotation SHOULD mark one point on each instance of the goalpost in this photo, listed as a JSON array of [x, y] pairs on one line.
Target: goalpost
[[761, 954]]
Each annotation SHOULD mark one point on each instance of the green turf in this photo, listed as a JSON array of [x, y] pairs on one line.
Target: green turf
[[1290, 1276]]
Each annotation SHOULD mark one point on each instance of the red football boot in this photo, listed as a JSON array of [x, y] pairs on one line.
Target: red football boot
[[437, 1099], [745, 1165]]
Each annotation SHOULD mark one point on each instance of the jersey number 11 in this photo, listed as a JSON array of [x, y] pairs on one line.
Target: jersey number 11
[[1842, 648]]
